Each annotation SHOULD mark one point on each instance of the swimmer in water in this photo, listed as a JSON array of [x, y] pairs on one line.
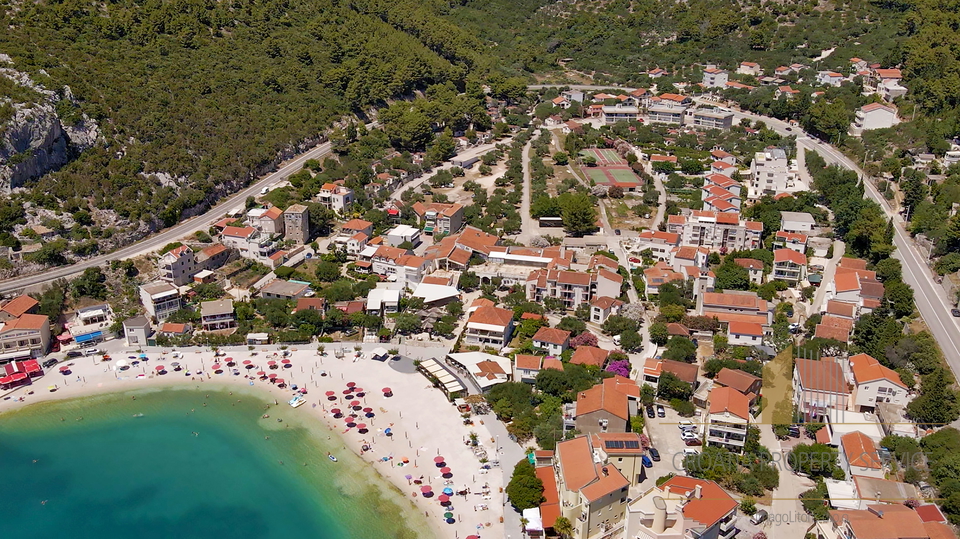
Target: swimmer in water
[[44, 502]]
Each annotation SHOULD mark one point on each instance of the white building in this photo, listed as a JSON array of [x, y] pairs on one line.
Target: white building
[[729, 418], [873, 384], [486, 370], [772, 173], [716, 230], [336, 197], [794, 221], [715, 78], [752, 69], [381, 301], [402, 234], [873, 116], [160, 299], [619, 113], [829, 78], [178, 265]]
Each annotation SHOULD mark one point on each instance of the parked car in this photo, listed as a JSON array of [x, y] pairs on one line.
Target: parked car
[[688, 452], [692, 442], [955, 312], [74, 353], [49, 363], [616, 231], [660, 411], [758, 517], [91, 352], [645, 460], [650, 413], [654, 454], [688, 435], [795, 327], [685, 424]]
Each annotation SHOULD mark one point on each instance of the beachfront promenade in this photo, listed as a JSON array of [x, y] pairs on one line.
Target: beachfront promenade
[[423, 424]]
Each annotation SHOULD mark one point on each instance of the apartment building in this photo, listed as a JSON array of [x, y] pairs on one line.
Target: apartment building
[[572, 287], [439, 218], [249, 242], [716, 231], [745, 334], [607, 406], [17, 307], [592, 495], [401, 234], [160, 299], [217, 314], [682, 508], [603, 307], [874, 383], [489, 326], [269, 221], [709, 118], [797, 222], [619, 113], [752, 69], [772, 173], [729, 417], [734, 305], [285, 290], [27, 336], [336, 197], [754, 269], [791, 240], [873, 116], [178, 266], [659, 243], [789, 266], [714, 77], [819, 386]]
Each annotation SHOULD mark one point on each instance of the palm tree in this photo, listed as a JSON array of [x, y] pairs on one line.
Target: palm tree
[[563, 527], [523, 525]]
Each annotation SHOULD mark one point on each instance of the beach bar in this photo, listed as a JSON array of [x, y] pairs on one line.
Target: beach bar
[[441, 378]]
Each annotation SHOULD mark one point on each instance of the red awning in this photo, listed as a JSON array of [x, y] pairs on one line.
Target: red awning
[[31, 366], [18, 377]]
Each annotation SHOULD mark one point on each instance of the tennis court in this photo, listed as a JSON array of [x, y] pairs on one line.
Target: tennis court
[[604, 156], [616, 175], [598, 175]]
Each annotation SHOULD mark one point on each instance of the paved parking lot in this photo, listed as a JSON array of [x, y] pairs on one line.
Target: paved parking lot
[[664, 435]]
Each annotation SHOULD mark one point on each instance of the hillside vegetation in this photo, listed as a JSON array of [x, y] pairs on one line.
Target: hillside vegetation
[[209, 91]]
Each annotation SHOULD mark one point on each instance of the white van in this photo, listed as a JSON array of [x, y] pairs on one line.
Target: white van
[[91, 352], [265, 190]]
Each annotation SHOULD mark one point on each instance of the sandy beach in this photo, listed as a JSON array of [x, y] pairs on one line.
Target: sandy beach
[[422, 423]]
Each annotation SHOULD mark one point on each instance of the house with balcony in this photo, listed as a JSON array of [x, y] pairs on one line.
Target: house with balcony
[[659, 243], [213, 257], [217, 315], [438, 218], [619, 113], [819, 386], [873, 116], [285, 290], [336, 197], [859, 456], [798, 222], [830, 78], [683, 508], [382, 301], [603, 307], [752, 69], [160, 299], [745, 334], [553, 340], [714, 77], [27, 336], [91, 324], [880, 521], [607, 406], [571, 287], [178, 266], [735, 305], [728, 420], [592, 495], [489, 326], [742, 381], [789, 266], [526, 368], [790, 240], [874, 383]]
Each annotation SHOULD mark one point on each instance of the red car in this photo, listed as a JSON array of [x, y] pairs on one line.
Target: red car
[[694, 441]]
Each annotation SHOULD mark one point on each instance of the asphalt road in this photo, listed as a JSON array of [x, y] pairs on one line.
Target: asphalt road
[[156, 241], [930, 298]]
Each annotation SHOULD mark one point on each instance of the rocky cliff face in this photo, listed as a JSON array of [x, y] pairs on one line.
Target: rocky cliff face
[[35, 140]]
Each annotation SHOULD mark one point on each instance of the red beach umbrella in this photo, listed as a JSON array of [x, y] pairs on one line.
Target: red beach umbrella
[[215, 367], [280, 381], [386, 390], [438, 460], [354, 403], [285, 361], [443, 498], [261, 373], [247, 362], [273, 376], [159, 368], [444, 470], [426, 488], [347, 391], [64, 368], [473, 537], [335, 411], [367, 410], [351, 384], [330, 393], [361, 426], [271, 363]]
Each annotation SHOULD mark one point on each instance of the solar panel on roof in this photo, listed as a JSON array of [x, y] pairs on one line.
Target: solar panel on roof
[[631, 444], [613, 444]]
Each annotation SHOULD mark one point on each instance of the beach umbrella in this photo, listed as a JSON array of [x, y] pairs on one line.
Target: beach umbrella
[[261, 373], [448, 491], [451, 520], [438, 459], [387, 391], [444, 470], [273, 376], [281, 382], [347, 391], [351, 384], [271, 363], [355, 404], [216, 368], [131, 357], [448, 514], [330, 393], [65, 370], [426, 488], [351, 422], [143, 356], [362, 426], [473, 537], [251, 366], [367, 410], [160, 368], [335, 411], [408, 477], [443, 498], [285, 361], [388, 432], [175, 364], [247, 362], [405, 460]]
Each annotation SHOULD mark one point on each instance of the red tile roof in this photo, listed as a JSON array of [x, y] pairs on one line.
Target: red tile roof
[[727, 399], [551, 335], [549, 509], [789, 255], [736, 379], [821, 376], [493, 316], [525, 361], [867, 369], [713, 504], [745, 328], [26, 321], [589, 355], [930, 513], [860, 451], [19, 305]]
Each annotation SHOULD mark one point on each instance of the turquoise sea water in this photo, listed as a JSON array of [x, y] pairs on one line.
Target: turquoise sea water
[[113, 475]]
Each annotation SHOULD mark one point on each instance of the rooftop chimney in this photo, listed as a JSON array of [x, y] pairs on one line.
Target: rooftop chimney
[[873, 509], [659, 515], [606, 472], [698, 492]]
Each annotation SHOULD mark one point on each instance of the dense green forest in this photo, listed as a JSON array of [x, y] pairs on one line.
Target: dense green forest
[[209, 91]]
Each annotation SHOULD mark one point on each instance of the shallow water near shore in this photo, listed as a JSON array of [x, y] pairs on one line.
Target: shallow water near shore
[[187, 470]]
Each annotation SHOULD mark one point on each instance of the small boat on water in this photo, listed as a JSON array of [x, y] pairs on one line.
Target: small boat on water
[[297, 401], [137, 415], [331, 457]]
